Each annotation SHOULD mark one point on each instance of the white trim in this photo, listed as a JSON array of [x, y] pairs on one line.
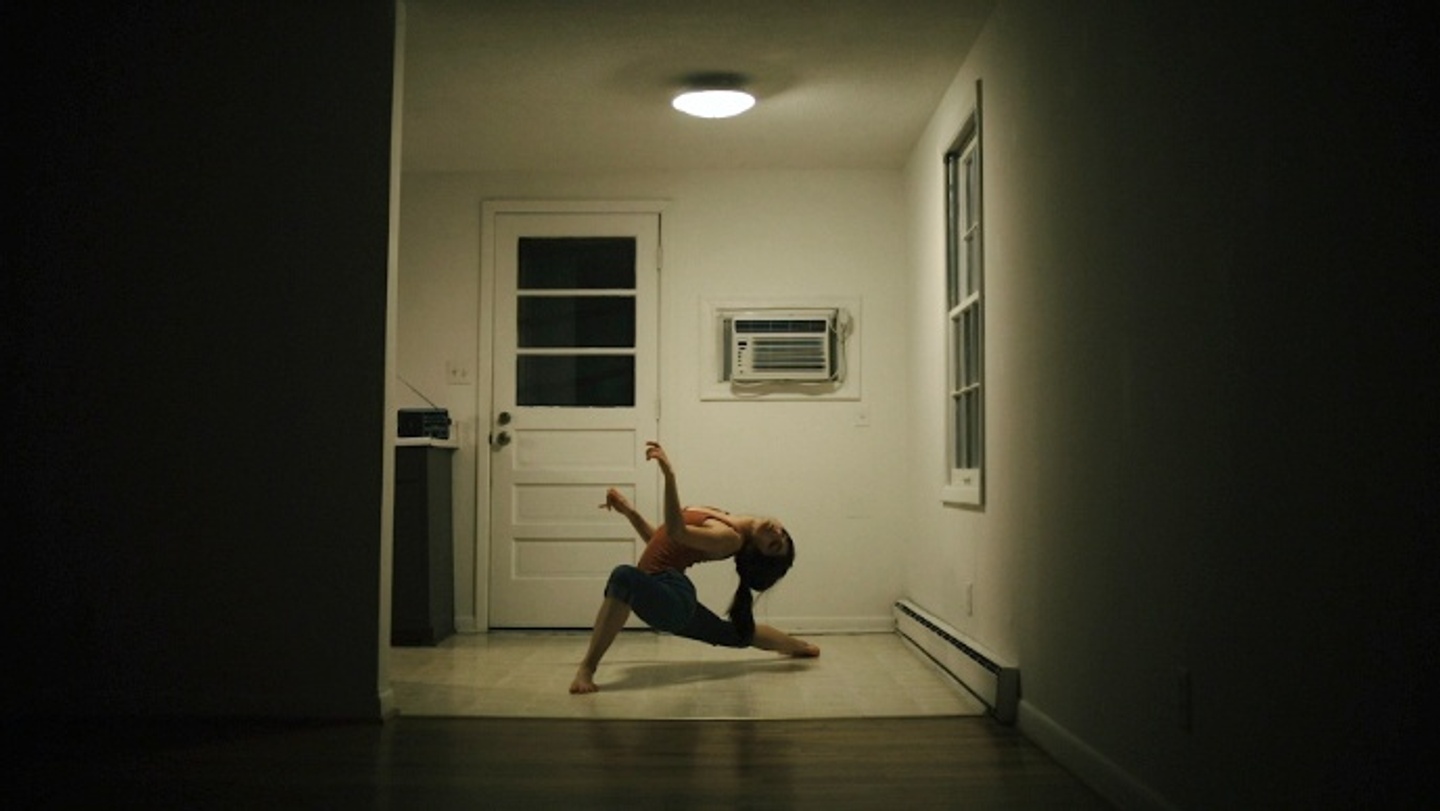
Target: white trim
[[1093, 768], [453, 443], [386, 586], [963, 495], [489, 208], [388, 708]]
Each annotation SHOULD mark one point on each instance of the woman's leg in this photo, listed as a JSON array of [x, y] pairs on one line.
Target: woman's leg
[[705, 626], [665, 601], [612, 617], [768, 638]]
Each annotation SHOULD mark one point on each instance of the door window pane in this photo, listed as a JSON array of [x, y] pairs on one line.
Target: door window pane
[[577, 263], [600, 381], [576, 321]]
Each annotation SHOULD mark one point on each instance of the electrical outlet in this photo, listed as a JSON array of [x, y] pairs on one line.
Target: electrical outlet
[[456, 373], [969, 599]]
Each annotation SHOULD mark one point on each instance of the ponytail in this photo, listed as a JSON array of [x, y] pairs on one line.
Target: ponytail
[[742, 612], [757, 572]]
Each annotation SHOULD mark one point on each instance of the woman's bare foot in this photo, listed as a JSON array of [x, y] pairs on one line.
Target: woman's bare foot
[[767, 638], [804, 650], [584, 681]]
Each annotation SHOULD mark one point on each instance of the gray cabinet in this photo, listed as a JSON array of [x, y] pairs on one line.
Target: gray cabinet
[[423, 595]]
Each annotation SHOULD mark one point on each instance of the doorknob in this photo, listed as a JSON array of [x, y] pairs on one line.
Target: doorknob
[[502, 439]]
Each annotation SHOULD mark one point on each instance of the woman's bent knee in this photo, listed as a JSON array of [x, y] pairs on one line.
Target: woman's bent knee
[[622, 583], [664, 600]]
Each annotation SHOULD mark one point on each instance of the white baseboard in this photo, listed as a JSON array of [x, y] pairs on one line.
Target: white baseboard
[[994, 680], [792, 625], [1093, 768], [831, 625]]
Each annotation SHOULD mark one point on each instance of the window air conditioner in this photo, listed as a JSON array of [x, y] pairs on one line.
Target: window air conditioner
[[781, 345]]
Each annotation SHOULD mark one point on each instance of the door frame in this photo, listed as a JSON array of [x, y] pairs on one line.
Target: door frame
[[485, 355]]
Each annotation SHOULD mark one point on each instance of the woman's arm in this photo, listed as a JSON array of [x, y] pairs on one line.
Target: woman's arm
[[616, 501], [717, 542], [674, 516]]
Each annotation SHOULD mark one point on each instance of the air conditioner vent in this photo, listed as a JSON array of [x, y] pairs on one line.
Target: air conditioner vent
[[781, 345], [766, 354], [781, 325]]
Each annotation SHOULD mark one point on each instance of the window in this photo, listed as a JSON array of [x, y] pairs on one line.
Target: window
[[965, 315]]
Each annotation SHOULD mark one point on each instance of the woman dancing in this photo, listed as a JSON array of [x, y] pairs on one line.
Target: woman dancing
[[658, 591]]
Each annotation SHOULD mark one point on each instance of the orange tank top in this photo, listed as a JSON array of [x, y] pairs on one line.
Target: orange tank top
[[661, 553]]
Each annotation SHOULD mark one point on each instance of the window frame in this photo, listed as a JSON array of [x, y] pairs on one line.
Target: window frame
[[965, 315]]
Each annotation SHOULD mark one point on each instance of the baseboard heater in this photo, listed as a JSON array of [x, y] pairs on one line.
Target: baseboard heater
[[995, 682]]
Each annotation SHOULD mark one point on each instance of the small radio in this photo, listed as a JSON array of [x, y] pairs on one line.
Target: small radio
[[425, 422]]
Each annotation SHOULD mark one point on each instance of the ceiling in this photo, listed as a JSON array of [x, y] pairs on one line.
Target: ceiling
[[562, 85]]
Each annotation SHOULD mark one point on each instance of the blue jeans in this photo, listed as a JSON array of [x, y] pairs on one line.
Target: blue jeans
[[666, 602]]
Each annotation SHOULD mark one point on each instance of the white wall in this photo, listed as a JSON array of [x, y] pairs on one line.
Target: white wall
[[727, 235], [1173, 203]]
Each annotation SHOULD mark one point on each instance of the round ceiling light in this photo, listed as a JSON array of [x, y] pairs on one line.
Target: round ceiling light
[[713, 103]]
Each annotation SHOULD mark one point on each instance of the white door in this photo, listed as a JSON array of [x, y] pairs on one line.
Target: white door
[[574, 400]]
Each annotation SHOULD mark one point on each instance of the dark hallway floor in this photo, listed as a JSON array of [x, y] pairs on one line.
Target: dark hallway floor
[[436, 763]]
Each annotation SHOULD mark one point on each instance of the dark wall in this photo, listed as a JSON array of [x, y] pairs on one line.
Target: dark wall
[[196, 293], [1211, 307], [1328, 578]]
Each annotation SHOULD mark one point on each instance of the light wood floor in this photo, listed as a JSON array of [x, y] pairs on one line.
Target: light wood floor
[[660, 677], [503, 763]]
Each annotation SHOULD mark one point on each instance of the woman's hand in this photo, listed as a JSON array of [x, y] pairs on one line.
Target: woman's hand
[[615, 500], [657, 453]]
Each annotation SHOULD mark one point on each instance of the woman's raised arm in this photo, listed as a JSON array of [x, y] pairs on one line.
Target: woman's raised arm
[[714, 541], [674, 516]]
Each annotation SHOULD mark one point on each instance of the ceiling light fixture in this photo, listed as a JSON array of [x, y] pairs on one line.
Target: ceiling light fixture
[[714, 95]]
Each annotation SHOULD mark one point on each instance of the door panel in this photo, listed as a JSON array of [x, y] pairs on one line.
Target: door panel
[[574, 398]]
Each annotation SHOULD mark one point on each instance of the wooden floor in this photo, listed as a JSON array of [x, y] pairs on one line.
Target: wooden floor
[[477, 763]]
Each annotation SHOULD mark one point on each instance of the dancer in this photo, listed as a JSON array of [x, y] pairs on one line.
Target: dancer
[[658, 591]]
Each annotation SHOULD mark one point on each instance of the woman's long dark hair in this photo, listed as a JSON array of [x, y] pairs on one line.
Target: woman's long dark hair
[[758, 572]]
